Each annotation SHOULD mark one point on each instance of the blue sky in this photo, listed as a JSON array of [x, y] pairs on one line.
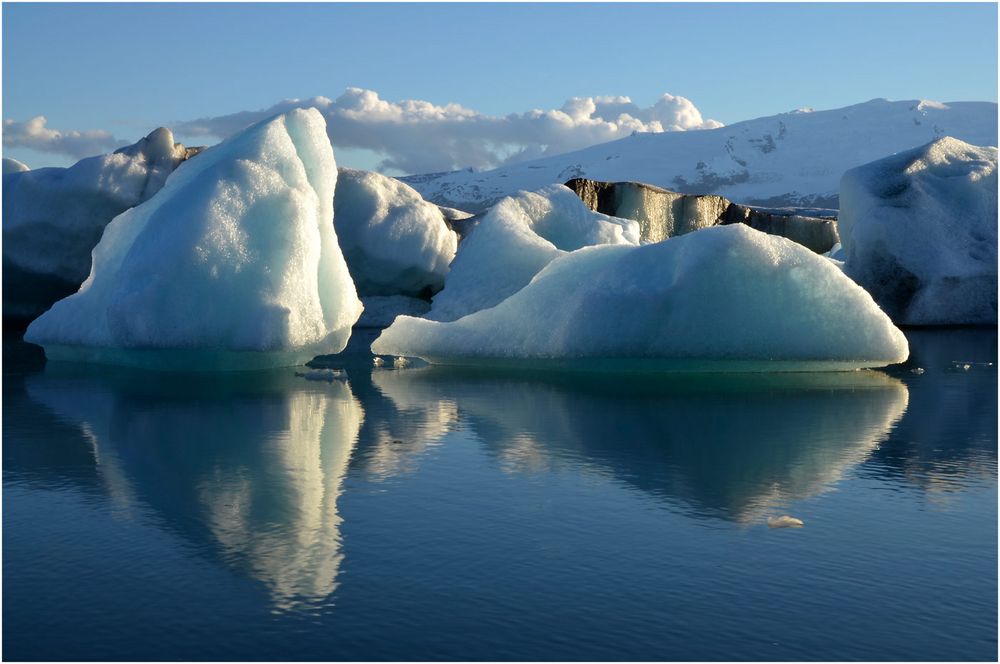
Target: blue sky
[[127, 68]]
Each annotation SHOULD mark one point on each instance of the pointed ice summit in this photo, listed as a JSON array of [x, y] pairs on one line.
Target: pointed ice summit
[[234, 264], [726, 298]]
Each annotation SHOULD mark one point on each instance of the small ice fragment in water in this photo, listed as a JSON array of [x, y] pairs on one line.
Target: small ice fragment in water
[[329, 375], [378, 361], [917, 371], [401, 363], [966, 367], [784, 522]]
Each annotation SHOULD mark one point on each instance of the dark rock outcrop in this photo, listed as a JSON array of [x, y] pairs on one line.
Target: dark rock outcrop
[[662, 213]]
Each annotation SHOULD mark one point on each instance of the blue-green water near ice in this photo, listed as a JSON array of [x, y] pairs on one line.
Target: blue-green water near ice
[[441, 514]]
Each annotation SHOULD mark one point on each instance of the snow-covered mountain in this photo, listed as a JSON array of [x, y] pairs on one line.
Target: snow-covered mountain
[[793, 159]]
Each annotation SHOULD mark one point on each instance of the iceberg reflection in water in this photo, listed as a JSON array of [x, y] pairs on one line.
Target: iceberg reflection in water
[[257, 461], [436, 513], [734, 446]]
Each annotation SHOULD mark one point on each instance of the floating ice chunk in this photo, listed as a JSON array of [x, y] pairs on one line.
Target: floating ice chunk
[[517, 238], [723, 298], [918, 370], [378, 362], [784, 522], [327, 375], [233, 265], [400, 363], [13, 166], [53, 217], [919, 230], [395, 242]]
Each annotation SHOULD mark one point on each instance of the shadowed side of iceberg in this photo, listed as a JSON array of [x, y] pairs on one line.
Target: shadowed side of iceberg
[[721, 299], [919, 230], [234, 264]]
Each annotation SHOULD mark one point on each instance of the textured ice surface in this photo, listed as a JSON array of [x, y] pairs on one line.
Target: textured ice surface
[[517, 238], [919, 232], [233, 265], [395, 242], [53, 217], [723, 298]]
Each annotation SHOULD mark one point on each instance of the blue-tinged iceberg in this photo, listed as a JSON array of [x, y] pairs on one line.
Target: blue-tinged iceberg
[[517, 238], [395, 242], [53, 217], [234, 264], [919, 232], [727, 298]]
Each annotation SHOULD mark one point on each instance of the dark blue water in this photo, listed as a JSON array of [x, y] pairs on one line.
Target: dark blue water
[[430, 514]]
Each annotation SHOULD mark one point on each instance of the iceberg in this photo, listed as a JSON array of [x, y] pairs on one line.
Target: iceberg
[[518, 237], [727, 298], [395, 242], [919, 232], [234, 264], [53, 217]]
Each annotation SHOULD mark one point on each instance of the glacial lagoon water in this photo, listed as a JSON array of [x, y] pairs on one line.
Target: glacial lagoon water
[[431, 513]]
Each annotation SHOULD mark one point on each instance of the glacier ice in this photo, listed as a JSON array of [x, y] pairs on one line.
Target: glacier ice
[[395, 242], [723, 298], [919, 232], [53, 217], [234, 264], [517, 238], [662, 213]]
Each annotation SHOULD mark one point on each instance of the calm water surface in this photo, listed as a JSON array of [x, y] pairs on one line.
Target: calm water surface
[[432, 514]]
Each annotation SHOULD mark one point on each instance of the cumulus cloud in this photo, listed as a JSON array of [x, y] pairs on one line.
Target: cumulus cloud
[[416, 136], [35, 135]]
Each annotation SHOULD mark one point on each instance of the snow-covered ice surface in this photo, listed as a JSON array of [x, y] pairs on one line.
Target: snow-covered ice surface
[[233, 265], [919, 232], [792, 159], [54, 217], [515, 240], [727, 298], [395, 242]]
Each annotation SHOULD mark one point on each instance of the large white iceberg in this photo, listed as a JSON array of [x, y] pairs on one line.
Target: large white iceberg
[[53, 217], [518, 237], [233, 265], [723, 298], [395, 242], [919, 232]]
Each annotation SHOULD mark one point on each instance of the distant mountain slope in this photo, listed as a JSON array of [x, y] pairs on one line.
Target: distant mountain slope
[[792, 159]]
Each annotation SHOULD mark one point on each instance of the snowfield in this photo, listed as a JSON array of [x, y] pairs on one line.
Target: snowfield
[[789, 160]]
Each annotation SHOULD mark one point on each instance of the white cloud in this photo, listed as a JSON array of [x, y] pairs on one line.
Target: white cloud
[[34, 135], [416, 136]]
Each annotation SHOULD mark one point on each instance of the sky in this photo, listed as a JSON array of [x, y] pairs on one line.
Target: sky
[[424, 87]]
